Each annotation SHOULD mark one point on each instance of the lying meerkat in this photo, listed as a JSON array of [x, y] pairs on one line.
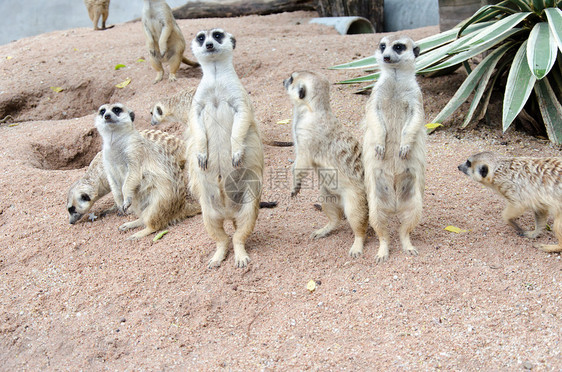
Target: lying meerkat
[[394, 144], [85, 192], [141, 174], [224, 147], [527, 184], [97, 9], [174, 108], [321, 143], [164, 39]]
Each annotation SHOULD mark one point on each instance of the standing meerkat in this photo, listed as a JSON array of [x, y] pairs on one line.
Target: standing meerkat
[[394, 144], [527, 184], [141, 174], [225, 152], [97, 9], [85, 192], [164, 39], [174, 108], [323, 145]]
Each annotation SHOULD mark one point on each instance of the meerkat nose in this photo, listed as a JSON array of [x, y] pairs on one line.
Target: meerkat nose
[[386, 59], [209, 46], [107, 117]]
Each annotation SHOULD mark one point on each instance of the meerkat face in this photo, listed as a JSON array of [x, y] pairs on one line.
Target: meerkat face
[[79, 202], [157, 114], [210, 45], [304, 86], [396, 51], [112, 116], [480, 167]]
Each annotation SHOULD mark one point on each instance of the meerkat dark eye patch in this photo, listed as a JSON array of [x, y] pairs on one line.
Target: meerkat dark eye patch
[[159, 111], [382, 47], [85, 197], [218, 36], [399, 48], [483, 170], [200, 39], [72, 210], [102, 112], [117, 110], [468, 164], [302, 92]]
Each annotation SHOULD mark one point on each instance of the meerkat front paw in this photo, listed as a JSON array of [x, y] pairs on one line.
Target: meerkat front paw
[[379, 151], [172, 77], [202, 161], [127, 204], [404, 151], [241, 261], [159, 77], [237, 158]]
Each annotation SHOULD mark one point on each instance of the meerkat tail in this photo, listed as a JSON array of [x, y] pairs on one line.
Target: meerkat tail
[[272, 204], [189, 62], [279, 143]]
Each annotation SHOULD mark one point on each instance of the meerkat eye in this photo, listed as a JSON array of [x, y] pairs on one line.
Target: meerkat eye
[[218, 36], [484, 171], [382, 47], [200, 39], [102, 112], [85, 197], [159, 111], [117, 110], [399, 48], [468, 163]]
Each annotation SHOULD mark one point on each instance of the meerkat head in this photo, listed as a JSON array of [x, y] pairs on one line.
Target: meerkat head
[[81, 197], [396, 52], [212, 45], [308, 88], [158, 113], [113, 117], [480, 167]]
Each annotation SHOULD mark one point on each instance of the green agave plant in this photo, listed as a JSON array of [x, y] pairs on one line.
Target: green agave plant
[[521, 41]]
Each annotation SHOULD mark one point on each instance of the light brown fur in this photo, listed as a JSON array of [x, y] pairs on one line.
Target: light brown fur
[[322, 144], [86, 191], [174, 108], [527, 184], [164, 39], [394, 144], [224, 148], [142, 174], [98, 9]]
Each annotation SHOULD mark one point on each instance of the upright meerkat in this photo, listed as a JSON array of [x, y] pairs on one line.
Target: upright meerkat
[[527, 184], [98, 9], [174, 108], [322, 144], [164, 39], [224, 147], [141, 174], [394, 144], [85, 192]]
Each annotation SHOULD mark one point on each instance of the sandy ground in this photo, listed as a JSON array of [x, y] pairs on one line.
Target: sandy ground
[[83, 297]]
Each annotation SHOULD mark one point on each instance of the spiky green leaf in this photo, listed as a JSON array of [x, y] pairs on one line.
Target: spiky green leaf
[[498, 28], [485, 68], [541, 50], [368, 62], [520, 82], [554, 16], [551, 110], [362, 79], [522, 4]]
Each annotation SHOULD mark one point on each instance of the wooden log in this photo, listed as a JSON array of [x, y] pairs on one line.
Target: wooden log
[[370, 9], [237, 8]]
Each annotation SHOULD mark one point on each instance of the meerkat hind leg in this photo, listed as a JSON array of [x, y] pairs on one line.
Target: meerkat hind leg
[[157, 65], [174, 62], [540, 224], [215, 228], [379, 222], [141, 234], [333, 210], [356, 214], [244, 226], [131, 225], [553, 248], [408, 221]]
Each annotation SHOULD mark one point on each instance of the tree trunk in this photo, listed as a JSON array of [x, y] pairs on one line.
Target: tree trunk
[[370, 9], [236, 8]]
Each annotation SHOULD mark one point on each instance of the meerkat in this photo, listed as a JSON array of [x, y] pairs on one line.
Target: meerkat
[[323, 145], [527, 184], [86, 191], [141, 174], [164, 39], [224, 148], [97, 9], [394, 144], [174, 108]]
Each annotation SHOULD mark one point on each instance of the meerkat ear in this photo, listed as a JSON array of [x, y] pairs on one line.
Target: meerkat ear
[[302, 92], [233, 42], [416, 51], [483, 170], [132, 115]]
